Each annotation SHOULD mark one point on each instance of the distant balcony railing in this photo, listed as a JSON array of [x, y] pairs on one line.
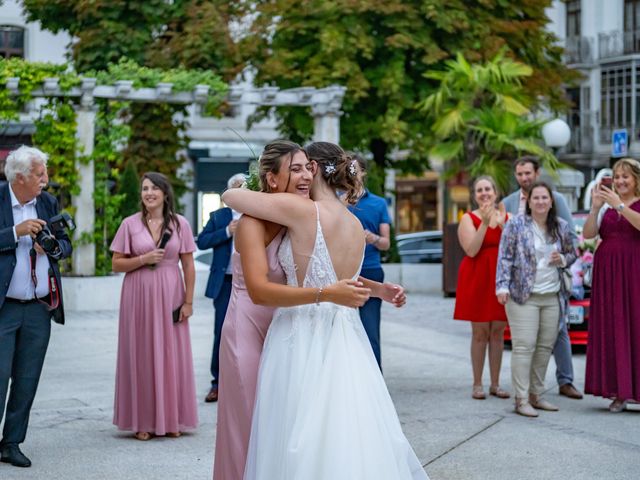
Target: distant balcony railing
[[610, 44], [578, 50], [617, 43]]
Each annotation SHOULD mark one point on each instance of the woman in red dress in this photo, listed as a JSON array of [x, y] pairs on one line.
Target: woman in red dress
[[479, 235]]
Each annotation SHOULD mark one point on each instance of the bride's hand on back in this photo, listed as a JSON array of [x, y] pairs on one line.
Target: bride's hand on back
[[349, 293]]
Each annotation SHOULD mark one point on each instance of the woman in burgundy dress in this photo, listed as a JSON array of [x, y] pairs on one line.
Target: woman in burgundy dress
[[155, 388], [479, 235], [613, 349]]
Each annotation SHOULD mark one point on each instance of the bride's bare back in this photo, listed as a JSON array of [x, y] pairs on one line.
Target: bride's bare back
[[343, 235]]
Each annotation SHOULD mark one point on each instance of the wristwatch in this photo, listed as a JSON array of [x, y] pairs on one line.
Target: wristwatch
[[620, 207]]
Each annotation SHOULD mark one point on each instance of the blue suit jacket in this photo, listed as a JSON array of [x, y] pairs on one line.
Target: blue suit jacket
[[47, 207], [215, 236]]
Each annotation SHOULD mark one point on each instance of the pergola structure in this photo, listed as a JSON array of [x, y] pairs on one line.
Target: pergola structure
[[325, 104]]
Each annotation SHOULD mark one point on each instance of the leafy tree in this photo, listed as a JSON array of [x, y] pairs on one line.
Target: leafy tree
[[117, 36], [479, 118], [105, 30], [381, 50]]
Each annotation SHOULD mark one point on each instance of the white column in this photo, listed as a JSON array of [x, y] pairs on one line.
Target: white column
[[325, 109], [326, 128], [84, 254]]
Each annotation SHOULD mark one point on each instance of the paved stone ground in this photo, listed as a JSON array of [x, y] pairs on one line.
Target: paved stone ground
[[426, 366]]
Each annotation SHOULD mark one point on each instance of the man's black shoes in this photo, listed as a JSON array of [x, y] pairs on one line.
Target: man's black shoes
[[12, 454]]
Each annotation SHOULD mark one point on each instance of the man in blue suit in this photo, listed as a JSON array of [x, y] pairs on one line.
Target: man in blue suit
[[527, 171], [218, 234], [30, 294]]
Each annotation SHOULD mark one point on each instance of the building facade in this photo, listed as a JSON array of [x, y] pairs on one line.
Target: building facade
[[602, 41]]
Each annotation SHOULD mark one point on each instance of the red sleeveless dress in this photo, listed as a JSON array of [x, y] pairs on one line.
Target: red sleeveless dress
[[476, 292]]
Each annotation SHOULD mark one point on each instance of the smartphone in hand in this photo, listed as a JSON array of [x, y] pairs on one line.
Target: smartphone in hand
[[607, 182]]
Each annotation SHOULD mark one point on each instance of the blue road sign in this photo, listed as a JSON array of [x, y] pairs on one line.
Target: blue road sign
[[619, 143]]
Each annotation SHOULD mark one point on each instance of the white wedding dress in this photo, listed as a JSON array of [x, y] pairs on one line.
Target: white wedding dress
[[322, 409]]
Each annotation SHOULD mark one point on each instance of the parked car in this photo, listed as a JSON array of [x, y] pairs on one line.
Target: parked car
[[420, 247], [203, 259], [578, 307]]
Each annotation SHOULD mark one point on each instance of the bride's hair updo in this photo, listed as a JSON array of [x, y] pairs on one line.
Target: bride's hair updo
[[338, 169], [272, 157]]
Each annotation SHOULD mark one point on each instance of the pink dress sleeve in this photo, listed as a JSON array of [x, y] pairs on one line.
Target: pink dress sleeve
[[122, 241], [187, 244]]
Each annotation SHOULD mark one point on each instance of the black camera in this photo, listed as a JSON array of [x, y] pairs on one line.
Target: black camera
[[46, 237]]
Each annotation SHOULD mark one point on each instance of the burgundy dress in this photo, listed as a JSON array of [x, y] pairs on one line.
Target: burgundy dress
[[155, 387], [613, 349], [476, 299]]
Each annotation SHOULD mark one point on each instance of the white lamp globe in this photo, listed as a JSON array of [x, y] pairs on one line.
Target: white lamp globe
[[556, 133]]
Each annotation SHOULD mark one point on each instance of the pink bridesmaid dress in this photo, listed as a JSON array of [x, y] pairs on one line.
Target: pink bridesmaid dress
[[155, 387], [243, 333]]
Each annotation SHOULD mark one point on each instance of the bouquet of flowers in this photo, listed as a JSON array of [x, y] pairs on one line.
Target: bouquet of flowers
[[581, 268]]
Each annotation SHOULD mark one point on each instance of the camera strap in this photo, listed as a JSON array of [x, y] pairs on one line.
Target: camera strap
[[54, 292]]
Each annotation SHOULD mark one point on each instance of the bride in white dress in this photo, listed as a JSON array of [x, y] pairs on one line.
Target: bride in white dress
[[322, 410]]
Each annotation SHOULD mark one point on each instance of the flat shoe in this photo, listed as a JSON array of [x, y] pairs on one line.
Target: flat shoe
[[478, 393], [142, 436], [525, 409], [173, 434], [498, 392], [617, 406], [542, 404]]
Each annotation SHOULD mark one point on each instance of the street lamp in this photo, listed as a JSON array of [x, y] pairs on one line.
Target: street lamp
[[556, 134]]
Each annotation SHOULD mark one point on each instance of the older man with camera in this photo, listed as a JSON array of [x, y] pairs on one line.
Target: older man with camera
[[32, 240]]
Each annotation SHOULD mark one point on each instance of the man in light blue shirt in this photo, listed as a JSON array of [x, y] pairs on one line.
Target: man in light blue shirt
[[372, 212]]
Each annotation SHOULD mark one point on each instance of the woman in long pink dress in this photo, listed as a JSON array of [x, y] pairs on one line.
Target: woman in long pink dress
[[155, 388], [284, 167], [613, 349]]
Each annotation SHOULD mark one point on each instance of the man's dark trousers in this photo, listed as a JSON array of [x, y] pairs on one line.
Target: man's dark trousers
[[220, 304], [214, 235], [24, 337], [370, 313]]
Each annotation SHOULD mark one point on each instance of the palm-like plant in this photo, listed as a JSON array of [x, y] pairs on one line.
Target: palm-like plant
[[482, 119]]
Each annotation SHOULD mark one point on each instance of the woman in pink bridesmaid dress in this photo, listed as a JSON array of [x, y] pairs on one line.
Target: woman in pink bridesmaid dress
[[155, 388], [284, 167]]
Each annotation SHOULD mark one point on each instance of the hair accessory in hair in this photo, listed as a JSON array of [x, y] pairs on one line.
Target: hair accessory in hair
[[352, 168], [329, 169]]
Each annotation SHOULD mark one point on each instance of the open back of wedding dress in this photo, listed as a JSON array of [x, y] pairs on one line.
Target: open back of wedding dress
[[322, 410]]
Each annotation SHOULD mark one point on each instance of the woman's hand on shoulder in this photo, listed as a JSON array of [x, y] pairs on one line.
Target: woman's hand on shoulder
[[349, 293]]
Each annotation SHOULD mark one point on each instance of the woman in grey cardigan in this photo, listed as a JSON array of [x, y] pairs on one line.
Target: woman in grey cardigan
[[534, 249]]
